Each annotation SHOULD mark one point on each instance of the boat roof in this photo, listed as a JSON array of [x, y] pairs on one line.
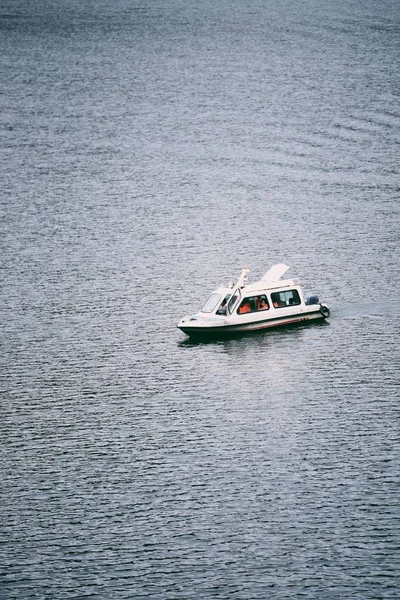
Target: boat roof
[[271, 280], [271, 285]]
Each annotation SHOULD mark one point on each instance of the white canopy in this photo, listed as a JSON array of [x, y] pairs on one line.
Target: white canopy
[[275, 273]]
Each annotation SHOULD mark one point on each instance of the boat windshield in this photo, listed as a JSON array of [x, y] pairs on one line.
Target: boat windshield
[[232, 301], [211, 303]]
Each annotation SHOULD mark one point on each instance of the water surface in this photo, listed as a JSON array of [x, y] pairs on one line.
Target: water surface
[[149, 152]]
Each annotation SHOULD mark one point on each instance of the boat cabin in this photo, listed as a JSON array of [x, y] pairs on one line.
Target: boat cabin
[[266, 294]]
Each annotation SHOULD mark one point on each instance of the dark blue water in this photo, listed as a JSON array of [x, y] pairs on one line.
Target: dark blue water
[[149, 151]]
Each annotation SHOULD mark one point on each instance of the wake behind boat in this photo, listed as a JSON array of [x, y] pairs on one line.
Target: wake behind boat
[[242, 307]]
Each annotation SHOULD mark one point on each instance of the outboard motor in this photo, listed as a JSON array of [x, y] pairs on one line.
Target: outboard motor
[[312, 300]]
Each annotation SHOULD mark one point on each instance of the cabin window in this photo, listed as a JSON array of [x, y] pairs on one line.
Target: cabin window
[[253, 304], [232, 301], [212, 303], [282, 299], [222, 307]]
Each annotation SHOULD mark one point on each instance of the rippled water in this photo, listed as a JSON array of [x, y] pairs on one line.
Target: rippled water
[[150, 151]]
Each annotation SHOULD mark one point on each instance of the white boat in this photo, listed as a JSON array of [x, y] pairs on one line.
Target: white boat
[[240, 307]]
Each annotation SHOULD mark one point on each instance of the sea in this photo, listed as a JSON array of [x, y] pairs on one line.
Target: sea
[[150, 149]]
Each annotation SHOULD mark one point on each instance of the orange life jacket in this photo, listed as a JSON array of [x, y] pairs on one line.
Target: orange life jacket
[[244, 309]]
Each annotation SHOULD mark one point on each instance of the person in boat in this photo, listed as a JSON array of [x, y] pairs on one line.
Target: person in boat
[[262, 304], [222, 308], [244, 307]]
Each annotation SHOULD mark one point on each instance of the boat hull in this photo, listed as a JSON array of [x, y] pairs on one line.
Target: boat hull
[[198, 329]]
